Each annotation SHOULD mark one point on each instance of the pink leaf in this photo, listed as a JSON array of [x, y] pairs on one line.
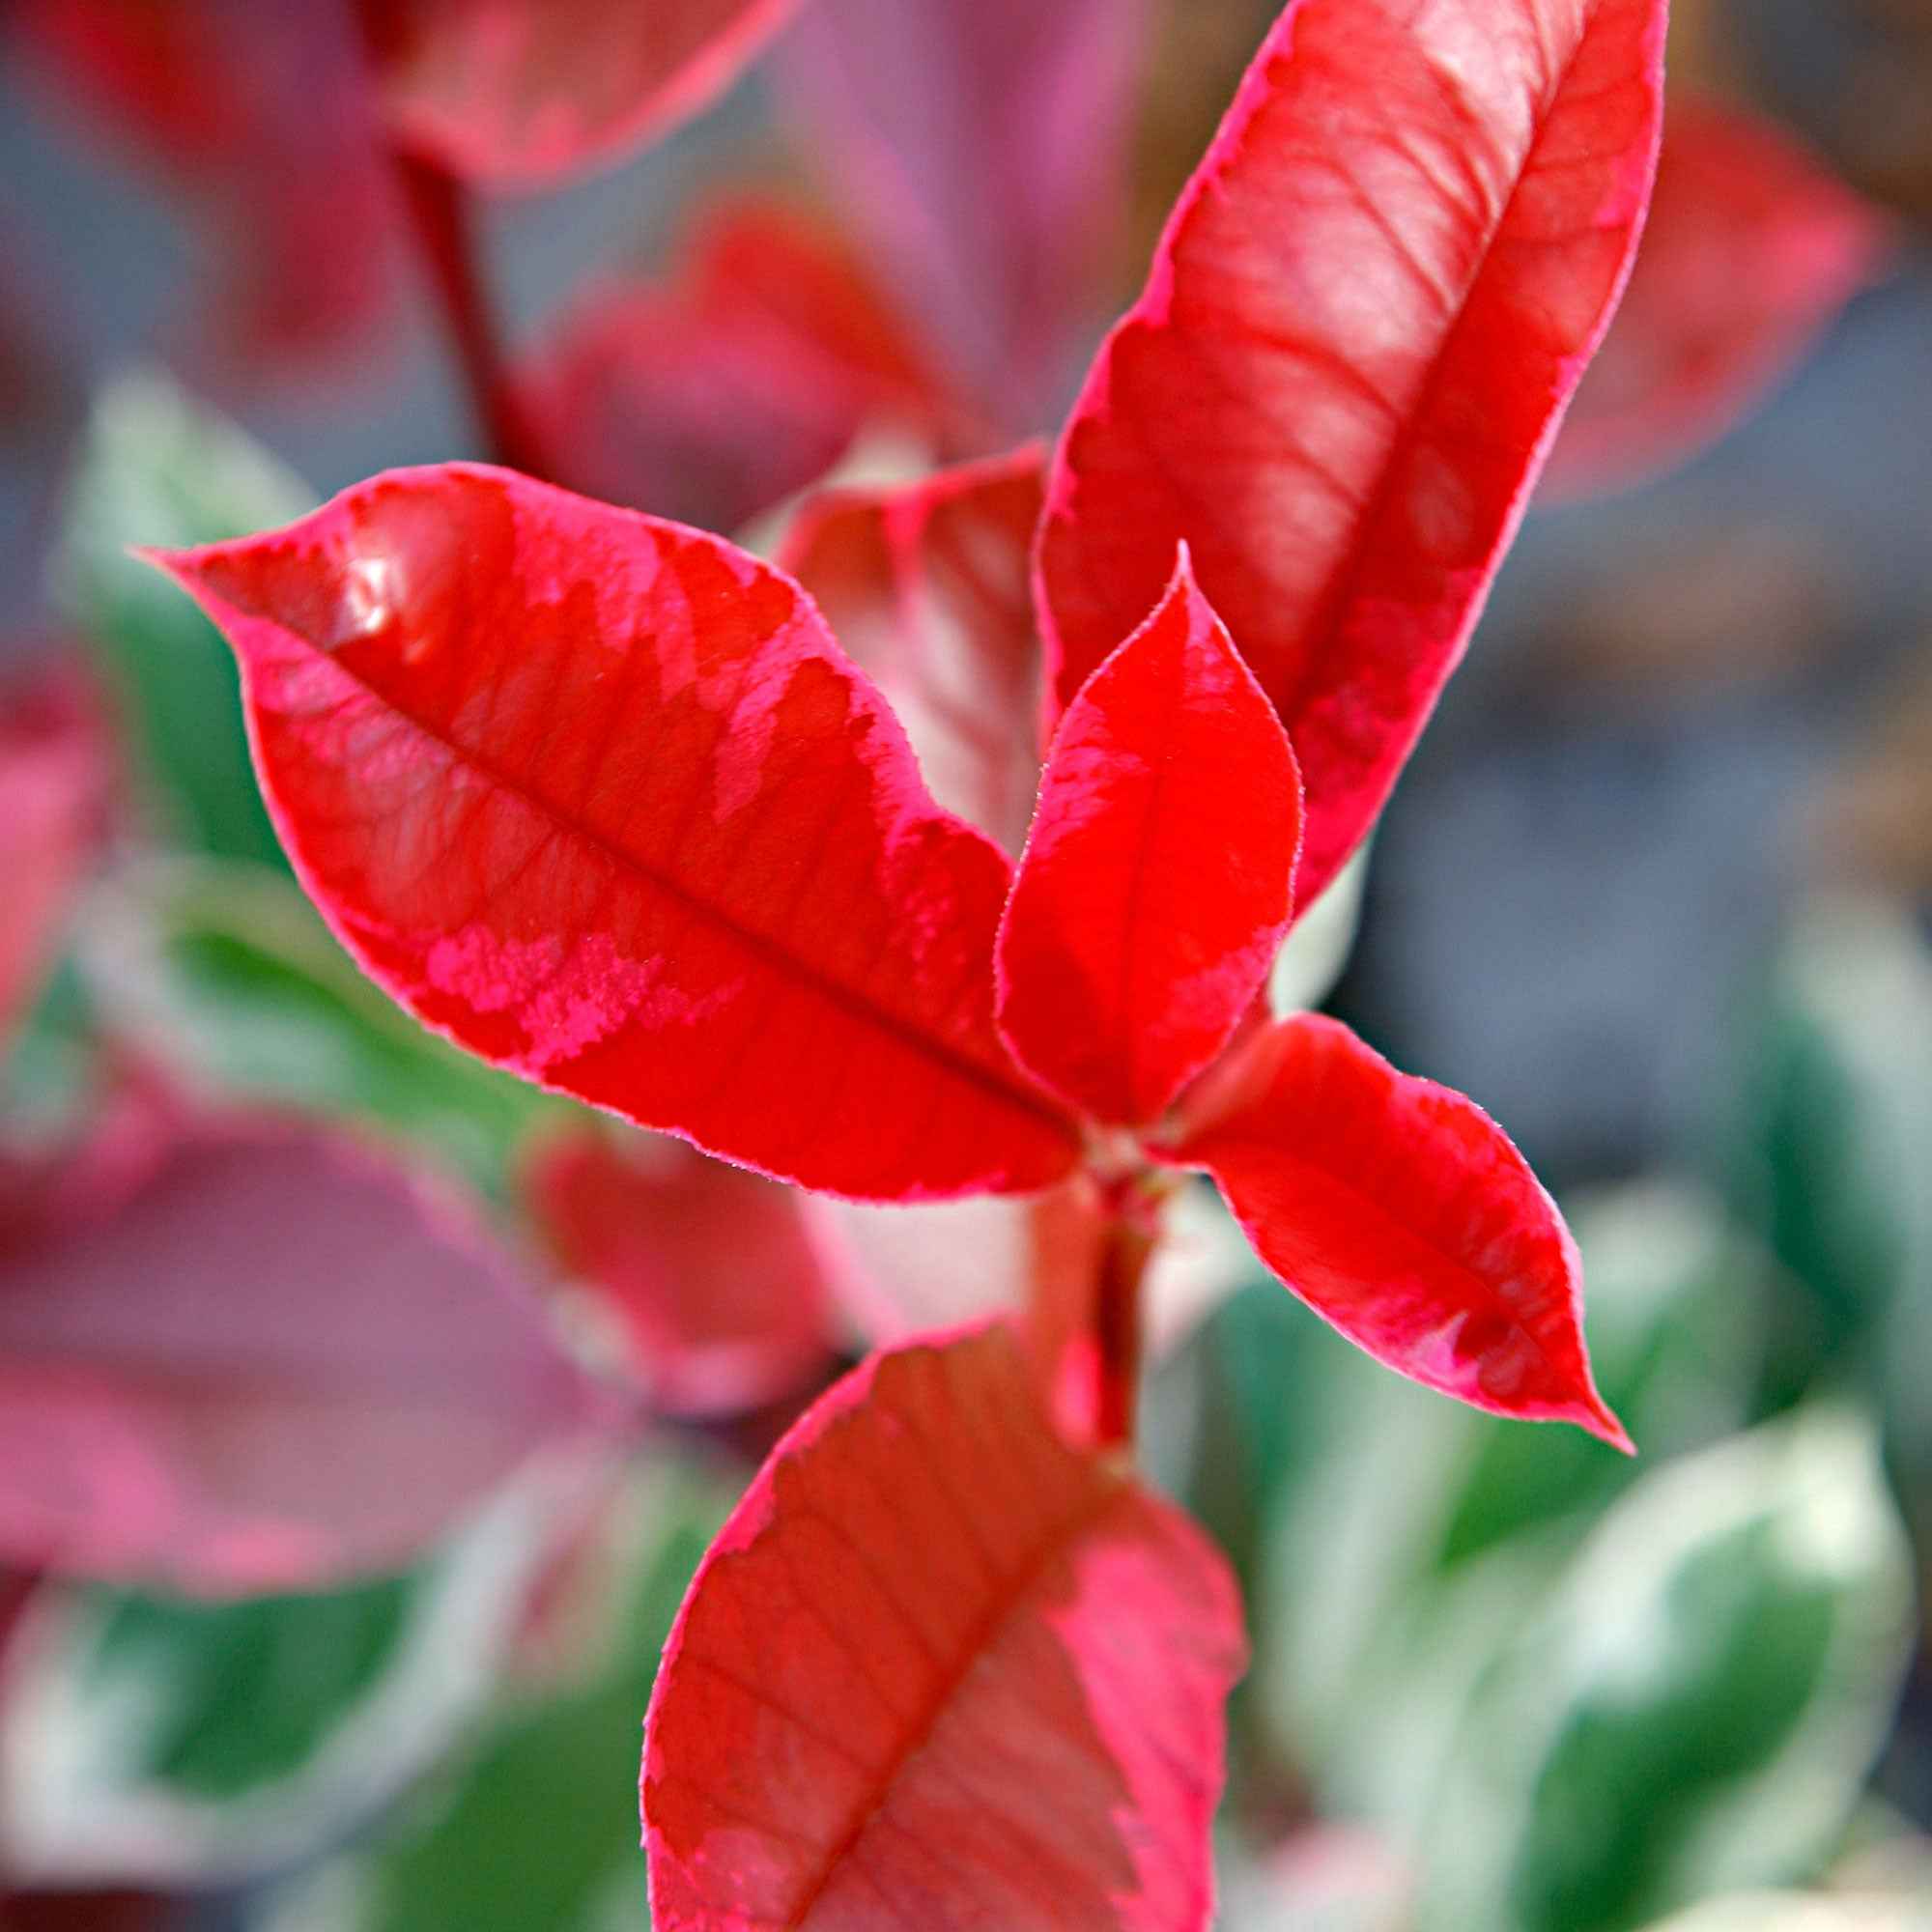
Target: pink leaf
[[715, 395], [54, 779], [522, 94], [708, 1274], [1367, 311], [927, 586], [941, 1670], [985, 150], [1155, 887], [1397, 1210], [1750, 251], [599, 798], [258, 1359]]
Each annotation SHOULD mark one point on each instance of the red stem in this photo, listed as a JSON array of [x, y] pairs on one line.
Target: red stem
[[438, 212], [1130, 1246]]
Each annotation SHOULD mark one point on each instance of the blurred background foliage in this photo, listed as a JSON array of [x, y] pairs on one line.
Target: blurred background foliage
[[1654, 891]]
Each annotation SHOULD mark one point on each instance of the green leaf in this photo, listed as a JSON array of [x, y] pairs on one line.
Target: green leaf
[[227, 975], [158, 468], [175, 1744], [48, 1073], [1832, 1132], [1696, 1706], [292, 1662], [537, 1825]]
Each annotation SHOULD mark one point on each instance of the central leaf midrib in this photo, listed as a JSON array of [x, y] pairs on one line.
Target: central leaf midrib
[[845, 998], [1008, 1599], [1340, 595]]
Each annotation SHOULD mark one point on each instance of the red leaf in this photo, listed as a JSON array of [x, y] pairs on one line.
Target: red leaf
[[1156, 886], [709, 1273], [1751, 249], [927, 586], [1366, 310], [599, 798], [1397, 1210], [259, 1359], [942, 1671], [985, 150], [53, 779], [714, 396], [520, 94]]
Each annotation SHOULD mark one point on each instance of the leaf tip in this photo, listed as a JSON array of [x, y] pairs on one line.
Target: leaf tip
[[1600, 1420], [180, 567]]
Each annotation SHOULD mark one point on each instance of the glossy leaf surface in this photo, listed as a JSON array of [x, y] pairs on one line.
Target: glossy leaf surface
[[1397, 1210], [524, 93], [708, 1274], [983, 149], [54, 777], [246, 1356], [1369, 306], [599, 797], [941, 1669], [1157, 881], [927, 586], [1751, 249], [712, 395]]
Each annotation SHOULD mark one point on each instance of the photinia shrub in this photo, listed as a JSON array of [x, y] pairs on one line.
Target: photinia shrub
[[602, 798]]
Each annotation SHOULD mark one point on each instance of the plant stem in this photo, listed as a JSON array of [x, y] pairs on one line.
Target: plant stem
[[439, 213], [1117, 1316]]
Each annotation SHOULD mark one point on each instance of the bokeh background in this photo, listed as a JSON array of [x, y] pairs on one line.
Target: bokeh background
[[1654, 890]]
